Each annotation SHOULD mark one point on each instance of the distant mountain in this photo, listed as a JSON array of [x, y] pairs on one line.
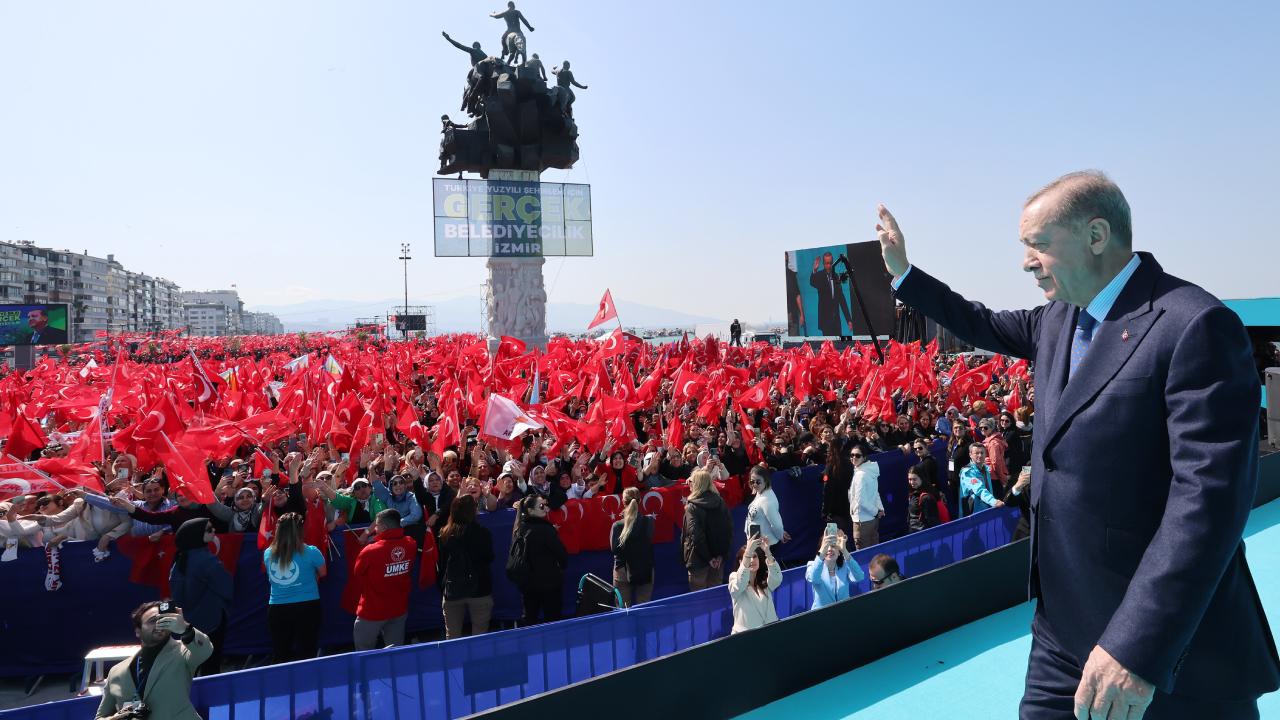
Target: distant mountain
[[463, 314]]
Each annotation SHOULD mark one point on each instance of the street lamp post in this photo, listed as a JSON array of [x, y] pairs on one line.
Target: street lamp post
[[404, 255]]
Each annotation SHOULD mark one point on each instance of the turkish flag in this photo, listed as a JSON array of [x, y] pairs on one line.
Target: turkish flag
[[267, 427], [88, 449], [151, 560], [510, 347], [688, 384], [675, 434], [606, 312], [206, 392], [226, 547], [25, 437], [654, 504], [361, 438], [350, 410], [756, 397], [748, 439], [1015, 398], [430, 554], [261, 462], [567, 520], [600, 512], [612, 344], [68, 472], [446, 429], [219, 442], [185, 468], [351, 548], [19, 478], [267, 527], [232, 406], [162, 418], [409, 425], [730, 492], [315, 529]]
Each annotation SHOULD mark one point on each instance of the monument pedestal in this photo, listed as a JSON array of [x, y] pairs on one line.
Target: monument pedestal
[[517, 297]]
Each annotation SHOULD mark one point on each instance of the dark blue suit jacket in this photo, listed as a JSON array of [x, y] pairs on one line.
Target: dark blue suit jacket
[[1144, 469]]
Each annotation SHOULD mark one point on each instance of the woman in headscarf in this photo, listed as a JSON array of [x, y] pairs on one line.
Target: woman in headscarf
[[202, 587]]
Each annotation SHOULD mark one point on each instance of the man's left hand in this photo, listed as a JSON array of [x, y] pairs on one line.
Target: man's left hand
[[1108, 690], [173, 622]]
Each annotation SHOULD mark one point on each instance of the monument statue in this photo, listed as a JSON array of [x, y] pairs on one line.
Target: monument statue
[[479, 80], [519, 127], [513, 45], [518, 123], [535, 69], [564, 96]]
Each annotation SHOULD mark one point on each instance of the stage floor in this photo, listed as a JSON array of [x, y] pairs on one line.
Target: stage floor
[[976, 671]]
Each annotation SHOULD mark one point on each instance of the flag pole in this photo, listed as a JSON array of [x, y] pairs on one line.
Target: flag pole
[[36, 470]]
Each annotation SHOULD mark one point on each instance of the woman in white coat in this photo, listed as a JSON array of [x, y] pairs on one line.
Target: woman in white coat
[[763, 510], [865, 506], [751, 587]]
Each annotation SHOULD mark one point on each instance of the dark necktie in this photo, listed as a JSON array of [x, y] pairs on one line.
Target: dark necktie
[[1085, 325]]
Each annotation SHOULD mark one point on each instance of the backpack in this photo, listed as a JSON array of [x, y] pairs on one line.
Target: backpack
[[944, 513], [460, 580], [518, 559]]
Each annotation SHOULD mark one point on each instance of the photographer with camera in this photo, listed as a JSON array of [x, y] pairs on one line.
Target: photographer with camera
[[155, 682]]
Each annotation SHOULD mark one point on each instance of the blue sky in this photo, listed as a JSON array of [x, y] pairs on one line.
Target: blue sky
[[288, 147]]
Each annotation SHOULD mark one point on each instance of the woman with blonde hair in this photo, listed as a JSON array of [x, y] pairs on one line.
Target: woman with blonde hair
[[631, 540], [708, 531], [293, 611]]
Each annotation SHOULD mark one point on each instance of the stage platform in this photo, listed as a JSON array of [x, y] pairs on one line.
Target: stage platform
[[976, 671]]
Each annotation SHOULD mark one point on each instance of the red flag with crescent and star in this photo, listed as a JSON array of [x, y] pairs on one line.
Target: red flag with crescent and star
[[606, 312]]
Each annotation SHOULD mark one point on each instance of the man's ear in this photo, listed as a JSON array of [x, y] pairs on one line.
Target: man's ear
[[1099, 232]]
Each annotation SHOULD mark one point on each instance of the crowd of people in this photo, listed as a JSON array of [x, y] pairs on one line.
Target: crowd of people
[[395, 443]]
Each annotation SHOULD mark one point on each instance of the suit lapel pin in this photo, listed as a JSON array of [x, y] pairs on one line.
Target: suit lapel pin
[[1124, 335]]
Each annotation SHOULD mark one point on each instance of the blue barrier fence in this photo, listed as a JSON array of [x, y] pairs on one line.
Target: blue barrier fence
[[444, 680], [100, 598]]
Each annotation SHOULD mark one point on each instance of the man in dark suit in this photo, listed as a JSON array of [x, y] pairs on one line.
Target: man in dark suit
[[831, 302], [1144, 463], [41, 333]]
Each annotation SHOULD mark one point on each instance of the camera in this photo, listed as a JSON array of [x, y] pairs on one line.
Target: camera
[[135, 709], [166, 607]]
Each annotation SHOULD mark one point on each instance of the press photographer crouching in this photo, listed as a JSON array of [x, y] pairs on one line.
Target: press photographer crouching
[[171, 651]]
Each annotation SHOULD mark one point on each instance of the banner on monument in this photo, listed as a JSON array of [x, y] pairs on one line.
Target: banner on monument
[[511, 218]]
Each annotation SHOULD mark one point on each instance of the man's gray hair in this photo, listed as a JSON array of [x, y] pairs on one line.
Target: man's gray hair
[[1086, 195]]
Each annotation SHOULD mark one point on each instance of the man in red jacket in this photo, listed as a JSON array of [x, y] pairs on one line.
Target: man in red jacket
[[383, 573]]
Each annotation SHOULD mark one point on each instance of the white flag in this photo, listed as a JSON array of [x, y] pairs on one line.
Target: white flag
[[299, 363], [504, 419]]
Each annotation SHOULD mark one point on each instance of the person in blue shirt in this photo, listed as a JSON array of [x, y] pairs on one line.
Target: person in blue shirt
[[400, 497], [293, 611], [976, 492], [833, 573]]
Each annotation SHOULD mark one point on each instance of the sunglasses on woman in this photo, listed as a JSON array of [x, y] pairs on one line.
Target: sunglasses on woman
[[855, 455]]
